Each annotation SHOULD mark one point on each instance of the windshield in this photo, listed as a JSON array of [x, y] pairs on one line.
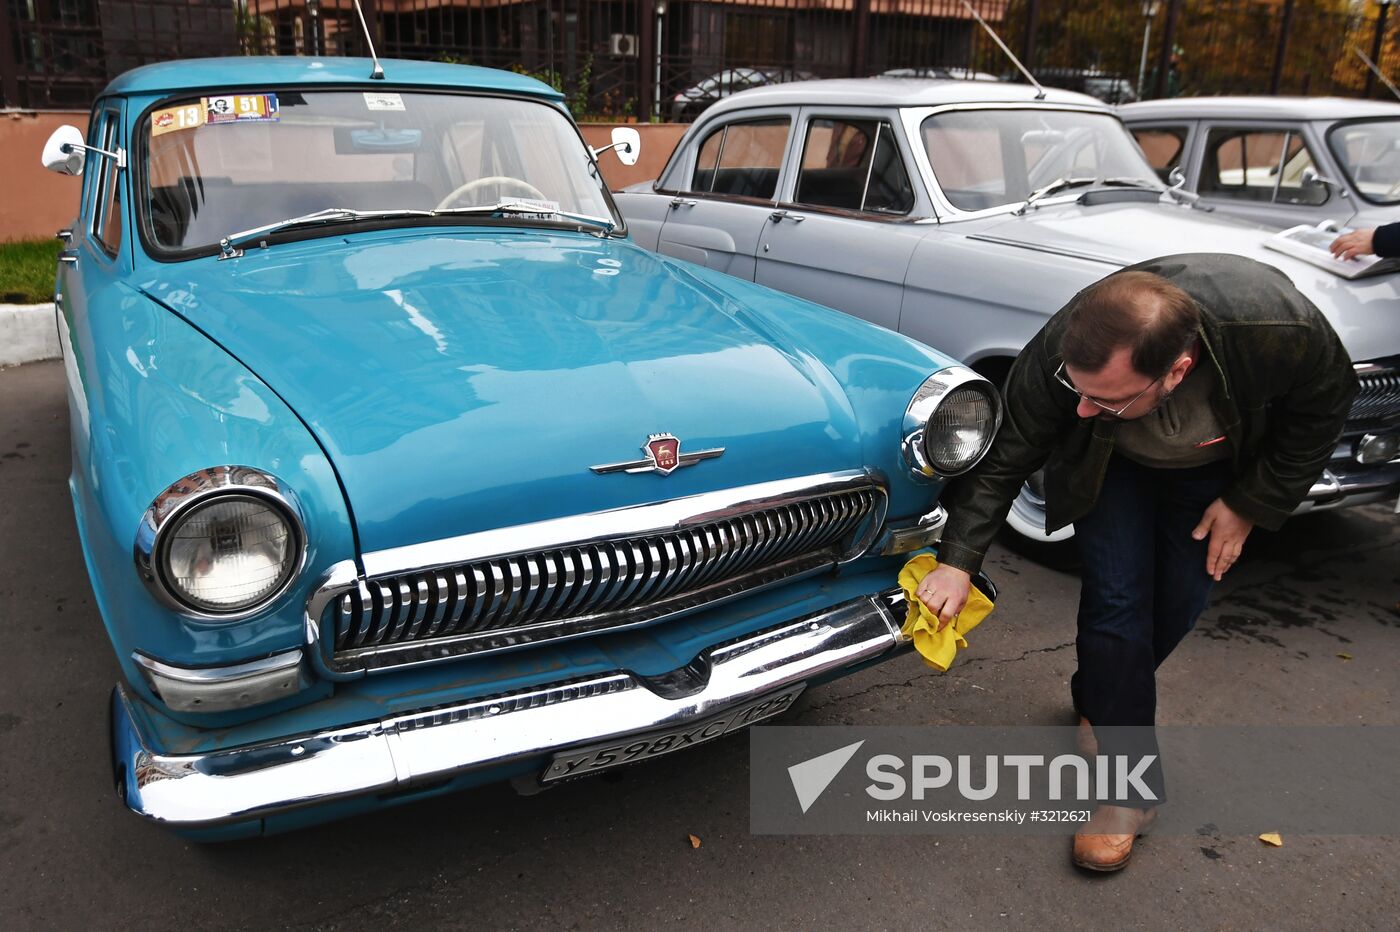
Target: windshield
[[1370, 155], [990, 158], [219, 165]]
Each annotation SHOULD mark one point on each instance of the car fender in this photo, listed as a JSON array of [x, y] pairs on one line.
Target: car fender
[[162, 402]]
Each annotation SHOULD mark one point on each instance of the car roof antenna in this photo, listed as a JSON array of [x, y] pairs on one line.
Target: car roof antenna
[[377, 73], [1376, 71], [1040, 91]]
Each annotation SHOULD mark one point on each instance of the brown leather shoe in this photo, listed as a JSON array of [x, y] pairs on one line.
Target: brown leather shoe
[[1105, 842], [1086, 740]]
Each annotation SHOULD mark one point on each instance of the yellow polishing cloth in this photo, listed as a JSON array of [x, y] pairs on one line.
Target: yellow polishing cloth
[[938, 648]]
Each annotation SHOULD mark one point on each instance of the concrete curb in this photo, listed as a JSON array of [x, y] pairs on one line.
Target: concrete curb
[[27, 333]]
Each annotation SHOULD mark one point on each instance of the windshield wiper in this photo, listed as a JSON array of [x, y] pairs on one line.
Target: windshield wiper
[[228, 246], [524, 207], [1133, 183], [1059, 184]]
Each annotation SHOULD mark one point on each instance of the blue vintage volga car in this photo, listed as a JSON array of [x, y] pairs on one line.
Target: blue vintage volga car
[[398, 468]]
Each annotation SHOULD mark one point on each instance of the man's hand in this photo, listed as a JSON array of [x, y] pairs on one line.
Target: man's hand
[[1353, 244], [945, 591], [1227, 532]]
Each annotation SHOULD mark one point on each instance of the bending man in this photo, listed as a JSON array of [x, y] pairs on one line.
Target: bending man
[[1174, 405]]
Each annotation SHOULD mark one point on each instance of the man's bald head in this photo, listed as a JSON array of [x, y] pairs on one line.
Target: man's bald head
[[1154, 319]]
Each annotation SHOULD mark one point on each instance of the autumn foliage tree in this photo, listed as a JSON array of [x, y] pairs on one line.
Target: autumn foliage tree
[[1221, 46]]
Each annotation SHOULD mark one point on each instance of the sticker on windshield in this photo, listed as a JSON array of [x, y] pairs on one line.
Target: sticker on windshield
[[176, 118], [241, 108], [375, 100], [226, 108], [532, 204]]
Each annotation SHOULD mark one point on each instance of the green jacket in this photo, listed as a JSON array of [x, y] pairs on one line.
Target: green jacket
[[1284, 390]]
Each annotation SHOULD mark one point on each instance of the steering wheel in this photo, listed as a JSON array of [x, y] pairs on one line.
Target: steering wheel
[[519, 187]]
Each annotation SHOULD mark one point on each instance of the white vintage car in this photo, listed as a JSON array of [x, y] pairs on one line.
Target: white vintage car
[[1278, 161], [964, 214]]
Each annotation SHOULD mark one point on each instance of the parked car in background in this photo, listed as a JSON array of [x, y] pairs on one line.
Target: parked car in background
[[1278, 161], [1104, 85], [945, 72], [963, 214], [398, 468], [691, 102]]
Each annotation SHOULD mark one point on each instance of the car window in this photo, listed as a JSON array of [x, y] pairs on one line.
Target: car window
[[107, 215], [1163, 146], [1258, 165], [1369, 153], [989, 158], [855, 165], [215, 166], [742, 159]]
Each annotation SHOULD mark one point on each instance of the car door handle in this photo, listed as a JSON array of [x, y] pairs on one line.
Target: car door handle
[[681, 202], [69, 256], [66, 235], [778, 216]]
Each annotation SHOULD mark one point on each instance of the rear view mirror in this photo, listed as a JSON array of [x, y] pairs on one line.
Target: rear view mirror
[[379, 140], [64, 152], [1043, 137], [627, 144]]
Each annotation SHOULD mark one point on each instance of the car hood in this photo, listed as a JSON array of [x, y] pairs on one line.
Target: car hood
[[1365, 313], [465, 381]]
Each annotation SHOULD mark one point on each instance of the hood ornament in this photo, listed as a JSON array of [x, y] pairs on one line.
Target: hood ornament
[[663, 455]]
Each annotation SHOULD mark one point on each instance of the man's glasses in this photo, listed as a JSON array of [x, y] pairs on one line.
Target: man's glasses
[[1116, 412]]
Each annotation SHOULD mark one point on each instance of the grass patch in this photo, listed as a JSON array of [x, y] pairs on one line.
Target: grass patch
[[27, 270]]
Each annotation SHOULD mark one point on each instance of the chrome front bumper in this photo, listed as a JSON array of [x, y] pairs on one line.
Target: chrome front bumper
[[1344, 483], [425, 747]]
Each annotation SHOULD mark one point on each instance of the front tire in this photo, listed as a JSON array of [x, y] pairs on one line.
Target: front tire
[[1024, 531]]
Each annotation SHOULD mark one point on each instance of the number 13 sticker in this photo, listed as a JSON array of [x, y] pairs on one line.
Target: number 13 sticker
[[177, 118]]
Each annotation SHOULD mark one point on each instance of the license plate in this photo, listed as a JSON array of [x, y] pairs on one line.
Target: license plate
[[639, 748]]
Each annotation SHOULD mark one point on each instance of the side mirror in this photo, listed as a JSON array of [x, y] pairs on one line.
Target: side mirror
[[627, 144], [1176, 177], [64, 152]]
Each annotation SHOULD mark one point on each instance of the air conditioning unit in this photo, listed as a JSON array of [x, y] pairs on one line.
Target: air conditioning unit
[[622, 45]]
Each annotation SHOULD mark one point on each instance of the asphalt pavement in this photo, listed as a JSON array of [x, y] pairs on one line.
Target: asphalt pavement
[[614, 851]]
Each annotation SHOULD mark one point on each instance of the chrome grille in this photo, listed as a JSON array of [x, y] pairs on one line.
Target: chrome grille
[[1379, 397], [504, 601]]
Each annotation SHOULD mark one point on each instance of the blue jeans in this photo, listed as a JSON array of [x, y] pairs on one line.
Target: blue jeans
[[1144, 584]]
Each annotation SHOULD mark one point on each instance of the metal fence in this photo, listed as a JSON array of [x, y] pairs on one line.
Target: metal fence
[[667, 59]]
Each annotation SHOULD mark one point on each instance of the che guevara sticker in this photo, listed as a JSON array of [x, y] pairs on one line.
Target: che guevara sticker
[[221, 108]]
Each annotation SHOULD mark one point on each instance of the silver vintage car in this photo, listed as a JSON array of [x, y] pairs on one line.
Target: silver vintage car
[[1278, 161], [964, 214]]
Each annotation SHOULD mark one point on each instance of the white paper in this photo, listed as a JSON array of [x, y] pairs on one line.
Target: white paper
[[381, 101]]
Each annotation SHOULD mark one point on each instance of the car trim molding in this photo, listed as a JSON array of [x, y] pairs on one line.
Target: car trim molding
[[1052, 250], [220, 689]]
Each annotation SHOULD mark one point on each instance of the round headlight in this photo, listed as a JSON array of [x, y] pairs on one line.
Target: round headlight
[[960, 429], [229, 554], [950, 423], [221, 543]]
